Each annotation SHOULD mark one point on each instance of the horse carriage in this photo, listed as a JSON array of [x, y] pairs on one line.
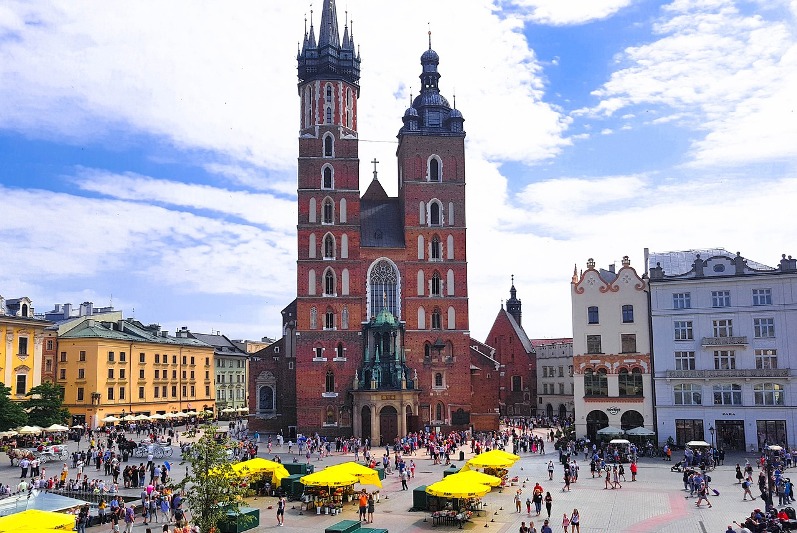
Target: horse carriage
[[158, 451], [43, 454]]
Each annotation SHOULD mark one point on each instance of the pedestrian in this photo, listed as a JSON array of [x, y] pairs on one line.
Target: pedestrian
[[24, 464], [517, 501], [523, 528], [739, 475], [528, 506], [633, 470], [281, 502], [370, 517], [702, 494], [565, 522], [746, 487], [363, 506], [575, 522], [548, 503], [130, 518], [546, 528], [403, 477], [537, 499], [550, 470]]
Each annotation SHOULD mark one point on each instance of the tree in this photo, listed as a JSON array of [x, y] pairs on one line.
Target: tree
[[11, 413], [45, 405], [211, 487]]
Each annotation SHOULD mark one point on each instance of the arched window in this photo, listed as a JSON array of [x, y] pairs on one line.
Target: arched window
[[328, 209], [329, 246], [421, 286], [329, 283], [421, 318], [435, 251], [439, 412], [329, 319], [434, 214], [436, 321], [344, 317], [420, 247], [452, 318], [450, 247], [329, 115], [327, 182], [349, 109], [311, 282], [450, 213], [266, 399], [383, 288], [434, 169], [342, 214], [329, 144], [330, 382], [311, 246], [308, 106], [339, 353], [421, 213], [344, 244], [435, 291], [313, 318], [427, 350], [450, 283], [312, 211], [344, 282], [438, 379], [329, 94]]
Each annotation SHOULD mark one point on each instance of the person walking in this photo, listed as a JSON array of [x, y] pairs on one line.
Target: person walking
[[24, 464], [370, 517], [702, 494], [517, 502], [363, 501], [550, 470], [633, 469], [746, 487], [548, 504], [538, 501], [528, 506], [565, 521], [546, 528], [281, 511], [575, 522]]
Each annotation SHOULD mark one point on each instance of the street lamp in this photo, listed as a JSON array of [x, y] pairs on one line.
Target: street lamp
[[712, 430]]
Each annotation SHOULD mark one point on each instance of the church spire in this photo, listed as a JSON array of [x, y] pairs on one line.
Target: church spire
[[513, 305], [329, 59]]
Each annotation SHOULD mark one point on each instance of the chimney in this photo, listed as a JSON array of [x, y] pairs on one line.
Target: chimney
[[67, 310]]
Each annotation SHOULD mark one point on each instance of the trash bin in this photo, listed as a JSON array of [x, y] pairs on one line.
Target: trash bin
[[461, 455]]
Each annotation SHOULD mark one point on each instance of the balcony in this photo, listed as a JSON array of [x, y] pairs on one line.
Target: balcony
[[724, 341], [735, 373]]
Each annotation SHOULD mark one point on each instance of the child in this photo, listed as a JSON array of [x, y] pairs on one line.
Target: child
[[565, 522]]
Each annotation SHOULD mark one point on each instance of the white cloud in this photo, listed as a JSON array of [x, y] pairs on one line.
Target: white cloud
[[724, 72], [571, 12]]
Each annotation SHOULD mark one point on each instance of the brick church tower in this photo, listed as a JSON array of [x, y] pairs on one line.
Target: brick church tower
[[382, 331]]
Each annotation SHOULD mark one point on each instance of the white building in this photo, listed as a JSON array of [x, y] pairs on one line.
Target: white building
[[611, 350], [724, 345], [554, 377]]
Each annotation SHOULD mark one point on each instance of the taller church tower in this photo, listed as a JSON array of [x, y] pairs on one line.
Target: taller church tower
[[382, 332], [329, 285]]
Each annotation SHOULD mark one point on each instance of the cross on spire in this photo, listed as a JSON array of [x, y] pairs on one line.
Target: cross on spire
[[375, 162]]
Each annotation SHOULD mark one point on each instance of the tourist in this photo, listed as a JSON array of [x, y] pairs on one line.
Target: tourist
[[363, 501], [575, 522], [565, 522], [548, 503], [370, 517], [546, 528], [281, 503]]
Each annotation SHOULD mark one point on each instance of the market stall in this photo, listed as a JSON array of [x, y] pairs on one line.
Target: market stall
[[495, 463], [324, 491], [364, 475], [460, 498], [35, 520], [261, 474]]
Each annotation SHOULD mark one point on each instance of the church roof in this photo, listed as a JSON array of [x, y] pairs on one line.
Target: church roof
[[520, 332], [381, 223]]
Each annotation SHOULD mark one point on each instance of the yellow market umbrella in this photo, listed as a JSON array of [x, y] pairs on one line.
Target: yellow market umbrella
[[506, 454], [328, 478], [258, 464], [34, 520], [365, 475], [491, 459], [476, 477], [457, 489]]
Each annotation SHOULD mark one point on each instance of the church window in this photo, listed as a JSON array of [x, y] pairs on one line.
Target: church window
[[329, 319], [421, 285], [450, 213], [329, 94], [344, 317], [434, 169], [329, 283], [344, 282], [383, 281], [330, 418], [311, 246], [420, 246], [436, 322], [344, 245], [434, 214], [421, 213], [311, 282], [329, 115], [312, 211], [452, 318], [330, 381], [329, 143], [349, 109], [450, 247], [450, 282], [308, 106], [327, 182], [439, 412], [436, 284], [329, 246], [435, 254], [328, 209], [438, 379], [427, 350], [342, 214], [339, 353], [313, 318], [421, 318]]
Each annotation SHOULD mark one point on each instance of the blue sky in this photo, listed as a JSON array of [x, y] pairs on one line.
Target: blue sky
[[148, 150]]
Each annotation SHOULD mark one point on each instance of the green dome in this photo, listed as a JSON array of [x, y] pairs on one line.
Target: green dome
[[385, 317]]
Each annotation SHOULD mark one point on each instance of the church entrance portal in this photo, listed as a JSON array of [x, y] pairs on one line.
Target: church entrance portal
[[388, 424]]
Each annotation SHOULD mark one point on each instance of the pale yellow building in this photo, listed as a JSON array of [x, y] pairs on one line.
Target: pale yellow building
[[21, 336], [124, 367]]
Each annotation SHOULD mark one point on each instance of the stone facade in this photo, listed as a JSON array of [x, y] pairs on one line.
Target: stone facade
[[554, 377]]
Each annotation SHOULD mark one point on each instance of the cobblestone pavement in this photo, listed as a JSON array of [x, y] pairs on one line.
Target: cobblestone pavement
[[655, 503]]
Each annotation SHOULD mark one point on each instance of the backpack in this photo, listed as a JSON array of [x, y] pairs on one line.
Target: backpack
[[178, 514]]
